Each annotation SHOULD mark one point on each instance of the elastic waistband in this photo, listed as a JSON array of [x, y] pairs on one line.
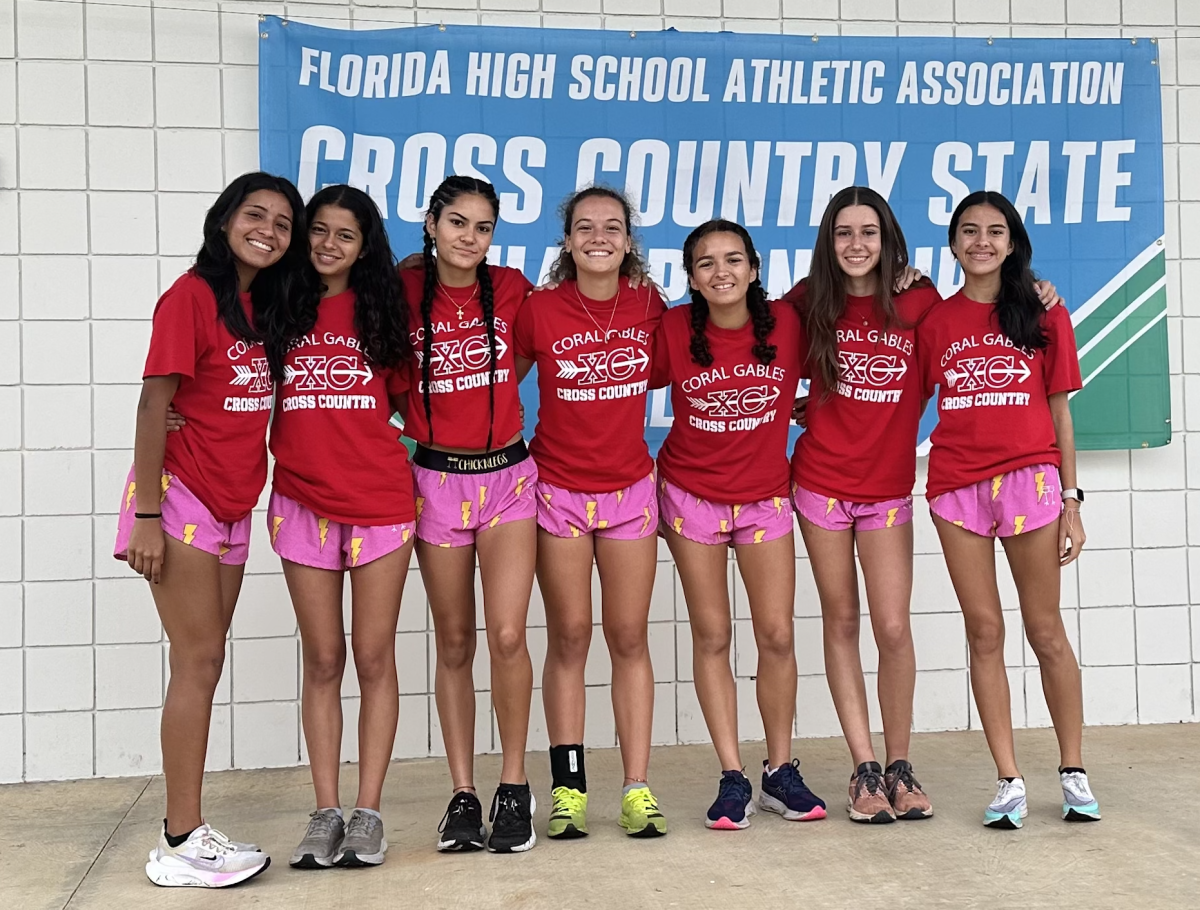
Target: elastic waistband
[[453, 463]]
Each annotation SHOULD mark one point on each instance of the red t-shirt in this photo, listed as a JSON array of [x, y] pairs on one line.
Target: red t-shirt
[[335, 452], [593, 373], [993, 410], [861, 441], [728, 442], [460, 365], [224, 392]]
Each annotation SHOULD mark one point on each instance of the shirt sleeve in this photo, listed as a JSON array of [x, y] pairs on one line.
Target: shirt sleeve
[[925, 343], [660, 358], [182, 331], [523, 333], [795, 296], [397, 382], [1061, 367]]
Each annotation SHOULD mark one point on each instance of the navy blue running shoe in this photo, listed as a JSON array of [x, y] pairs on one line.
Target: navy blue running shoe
[[734, 804], [786, 793]]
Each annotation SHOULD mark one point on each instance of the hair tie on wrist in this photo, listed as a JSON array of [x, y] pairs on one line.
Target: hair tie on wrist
[[147, 514]]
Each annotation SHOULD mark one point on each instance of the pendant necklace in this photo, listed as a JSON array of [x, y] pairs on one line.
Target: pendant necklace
[[605, 332], [458, 306]]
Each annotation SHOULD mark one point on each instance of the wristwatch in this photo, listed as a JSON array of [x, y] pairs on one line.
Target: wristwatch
[[1073, 493]]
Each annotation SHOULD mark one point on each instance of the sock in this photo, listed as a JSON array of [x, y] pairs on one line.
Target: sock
[[1010, 779], [634, 786], [173, 840], [1071, 771], [374, 812], [566, 767], [334, 809], [771, 770], [865, 767]]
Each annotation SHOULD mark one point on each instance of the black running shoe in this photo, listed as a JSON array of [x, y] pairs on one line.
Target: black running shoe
[[462, 826], [512, 819]]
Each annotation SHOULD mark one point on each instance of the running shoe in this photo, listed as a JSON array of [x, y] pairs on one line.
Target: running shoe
[[462, 827], [364, 843], [207, 859], [904, 792], [734, 804], [512, 819], [568, 817], [1079, 805], [321, 841], [1009, 807], [786, 793], [868, 801], [640, 815]]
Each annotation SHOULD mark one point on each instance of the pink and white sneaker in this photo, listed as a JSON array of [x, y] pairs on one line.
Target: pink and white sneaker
[[207, 859]]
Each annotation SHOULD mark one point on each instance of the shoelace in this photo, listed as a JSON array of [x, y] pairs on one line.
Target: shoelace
[[506, 813], [320, 825], [645, 801], [1078, 784], [734, 788], [214, 840], [904, 775], [1005, 790], [567, 801], [460, 806], [360, 825], [871, 781], [790, 779]]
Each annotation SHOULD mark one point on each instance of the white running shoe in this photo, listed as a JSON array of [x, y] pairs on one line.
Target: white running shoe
[[1009, 807], [207, 859], [1079, 805]]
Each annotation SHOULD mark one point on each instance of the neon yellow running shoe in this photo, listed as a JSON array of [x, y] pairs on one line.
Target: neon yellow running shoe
[[568, 817], [640, 815]]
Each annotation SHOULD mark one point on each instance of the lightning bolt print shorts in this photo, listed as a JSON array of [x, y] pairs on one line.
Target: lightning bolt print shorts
[[628, 514], [834, 514], [1005, 505], [187, 519], [452, 507], [300, 535], [718, 524]]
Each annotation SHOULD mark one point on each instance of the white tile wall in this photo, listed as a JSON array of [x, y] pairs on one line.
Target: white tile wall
[[118, 124]]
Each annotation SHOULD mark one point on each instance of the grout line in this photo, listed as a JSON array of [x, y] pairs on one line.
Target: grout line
[[107, 841]]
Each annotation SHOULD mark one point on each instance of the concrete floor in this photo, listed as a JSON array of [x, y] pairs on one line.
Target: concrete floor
[[84, 844]]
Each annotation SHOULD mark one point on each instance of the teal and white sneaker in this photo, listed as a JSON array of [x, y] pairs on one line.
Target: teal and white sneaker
[[1079, 805], [1009, 807]]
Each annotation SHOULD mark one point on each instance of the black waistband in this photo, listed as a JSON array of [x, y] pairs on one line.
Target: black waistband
[[453, 463]]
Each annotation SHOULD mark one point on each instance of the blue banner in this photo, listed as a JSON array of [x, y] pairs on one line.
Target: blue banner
[[762, 129]]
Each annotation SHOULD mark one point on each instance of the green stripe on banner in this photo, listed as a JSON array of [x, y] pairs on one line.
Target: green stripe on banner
[[1122, 297]]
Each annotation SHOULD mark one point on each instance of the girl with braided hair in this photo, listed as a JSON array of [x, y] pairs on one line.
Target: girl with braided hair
[[591, 336], [474, 483], [733, 361]]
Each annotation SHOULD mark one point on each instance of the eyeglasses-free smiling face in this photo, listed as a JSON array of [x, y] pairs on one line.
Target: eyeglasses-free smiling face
[[982, 241], [335, 241], [260, 231], [463, 233], [599, 239], [856, 240], [721, 270]]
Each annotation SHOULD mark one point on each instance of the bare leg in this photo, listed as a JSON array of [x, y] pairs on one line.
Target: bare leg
[[971, 559], [317, 600], [769, 573], [376, 589], [703, 571], [627, 581], [1033, 558], [887, 561], [564, 572], [507, 556], [195, 600], [449, 577]]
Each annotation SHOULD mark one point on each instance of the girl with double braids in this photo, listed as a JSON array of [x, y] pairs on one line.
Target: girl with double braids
[[474, 483], [591, 337], [185, 508], [342, 501], [733, 361], [1002, 464], [852, 477]]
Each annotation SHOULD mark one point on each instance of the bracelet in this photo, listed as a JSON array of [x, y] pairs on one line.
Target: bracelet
[[147, 514]]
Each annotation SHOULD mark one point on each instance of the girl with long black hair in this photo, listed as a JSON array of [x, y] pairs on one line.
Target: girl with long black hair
[[474, 483], [591, 336], [342, 501], [733, 361], [1002, 464], [185, 511]]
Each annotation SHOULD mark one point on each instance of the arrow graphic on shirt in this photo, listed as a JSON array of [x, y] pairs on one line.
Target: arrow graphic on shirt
[[242, 374], [990, 374], [291, 374]]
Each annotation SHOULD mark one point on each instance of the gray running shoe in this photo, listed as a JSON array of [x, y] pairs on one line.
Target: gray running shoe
[[321, 841], [364, 844]]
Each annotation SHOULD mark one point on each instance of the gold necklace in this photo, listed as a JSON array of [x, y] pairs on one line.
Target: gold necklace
[[605, 332], [458, 306]]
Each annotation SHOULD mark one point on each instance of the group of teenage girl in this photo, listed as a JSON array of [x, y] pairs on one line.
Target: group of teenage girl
[[298, 317]]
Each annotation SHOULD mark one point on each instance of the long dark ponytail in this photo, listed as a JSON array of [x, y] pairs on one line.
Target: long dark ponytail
[[274, 289], [1017, 307], [451, 189], [756, 297]]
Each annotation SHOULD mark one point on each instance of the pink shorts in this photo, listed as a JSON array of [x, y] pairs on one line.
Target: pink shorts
[[1006, 505], [186, 518], [299, 535], [628, 514], [718, 524], [453, 507], [843, 515]]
